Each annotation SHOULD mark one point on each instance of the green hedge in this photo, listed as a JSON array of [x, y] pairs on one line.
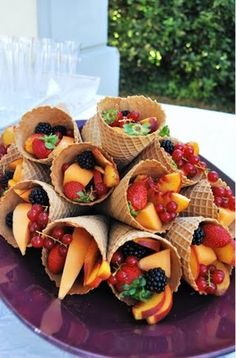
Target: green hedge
[[179, 49]]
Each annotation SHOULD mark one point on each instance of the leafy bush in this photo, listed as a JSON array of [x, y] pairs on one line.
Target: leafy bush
[[180, 49]]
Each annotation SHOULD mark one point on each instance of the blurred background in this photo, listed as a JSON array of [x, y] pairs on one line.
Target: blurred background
[[181, 52]]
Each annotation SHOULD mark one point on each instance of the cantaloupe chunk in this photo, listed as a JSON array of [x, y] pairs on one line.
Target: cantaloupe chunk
[[226, 216], [91, 261], [64, 143], [13, 164], [149, 218], [74, 260], [205, 255], [20, 226], [181, 201], [75, 173], [18, 173], [170, 182], [11, 183], [159, 259]]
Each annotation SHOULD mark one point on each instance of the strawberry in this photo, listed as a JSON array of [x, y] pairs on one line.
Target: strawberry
[[101, 189], [55, 260], [215, 235], [72, 188], [97, 177], [137, 195], [29, 142], [132, 272], [44, 145]]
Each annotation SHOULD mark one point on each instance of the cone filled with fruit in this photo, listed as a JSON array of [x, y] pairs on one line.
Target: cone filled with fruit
[[207, 252], [176, 156], [43, 132], [147, 197], [84, 174], [27, 208], [213, 199], [128, 125], [145, 271], [90, 132], [74, 253]]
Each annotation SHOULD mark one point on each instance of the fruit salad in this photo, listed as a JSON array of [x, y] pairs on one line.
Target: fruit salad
[[88, 177], [155, 202], [141, 276], [48, 139], [72, 259], [130, 122]]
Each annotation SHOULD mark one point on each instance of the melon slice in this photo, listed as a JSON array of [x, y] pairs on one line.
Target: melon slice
[[149, 218], [75, 173], [20, 226], [226, 216]]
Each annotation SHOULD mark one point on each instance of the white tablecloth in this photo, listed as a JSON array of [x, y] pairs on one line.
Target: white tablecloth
[[215, 133]]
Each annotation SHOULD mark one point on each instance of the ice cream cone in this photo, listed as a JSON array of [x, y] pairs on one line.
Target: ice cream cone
[[29, 121], [35, 171], [155, 151], [90, 131], [119, 234], [12, 155], [58, 207], [117, 204], [68, 155], [122, 147], [96, 226]]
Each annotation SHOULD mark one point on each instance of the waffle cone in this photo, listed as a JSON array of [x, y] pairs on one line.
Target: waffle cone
[[58, 207], [96, 226], [11, 155], [180, 235], [90, 131], [120, 234], [28, 122], [117, 205], [66, 156], [155, 151], [122, 147], [35, 171]]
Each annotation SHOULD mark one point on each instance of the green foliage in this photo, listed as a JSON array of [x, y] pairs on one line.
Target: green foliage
[[180, 49]]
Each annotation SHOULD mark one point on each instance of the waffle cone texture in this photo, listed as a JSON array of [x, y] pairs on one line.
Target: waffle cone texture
[[90, 132], [29, 121], [96, 226], [58, 207], [11, 155], [122, 147], [68, 155], [181, 235]]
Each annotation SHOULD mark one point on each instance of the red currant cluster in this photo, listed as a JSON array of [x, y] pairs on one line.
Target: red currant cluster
[[38, 217], [127, 271], [208, 279], [223, 196], [3, 150], [187, 161], [59, 235], [167, 213], [124, 117]]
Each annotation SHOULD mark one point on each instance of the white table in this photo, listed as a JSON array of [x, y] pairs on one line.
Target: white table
[[215, 133]]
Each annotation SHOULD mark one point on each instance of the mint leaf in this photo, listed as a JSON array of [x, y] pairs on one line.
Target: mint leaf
[[84, 197], [136, 129], [165, 131], [136, 290], [110, 115], [50, 141], [133, 212]]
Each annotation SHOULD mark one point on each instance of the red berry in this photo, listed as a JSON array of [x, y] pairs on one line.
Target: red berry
[[218, 200], [228, 192], [211, 289], [112, 280], [131, 260], [117, 258], [211, 268], [37, 241], [101, 189], [119, 287], [212, 176], [180, 163], [132, 272], [172, 216], [193, 159], [39, 149], [55, 261], [218, 190], [225, 202], [232, 203], [33, 227], [70, 133], [48, 243], [32, 215], [57, 232], [203, 270], [177, 155], [42, 219], [37, 207], [121, 276], [171, 207], [203, 165], [137, 195], [165, 217], [217, 276], [134, 116], [65, 167], [72, 189], [179, 146], [97, 177], [188, 169], [215, 235], [66, 239], [201, 283], [159, 208], [63, 250], [188, 150]]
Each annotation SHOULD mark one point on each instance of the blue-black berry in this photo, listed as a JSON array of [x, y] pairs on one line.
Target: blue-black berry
[[39, 196], [86, 160], [198, 236], [44, 128], [131, 248], [156, 280], [168, 146]]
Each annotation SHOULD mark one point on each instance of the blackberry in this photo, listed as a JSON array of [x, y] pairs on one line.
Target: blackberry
[[131, 248], [38, 196], [125, 113], [156, 280], [5, 177], [44, 128], [8, 220], [60, 129], [198, 236], [168, 146], [86, 160]]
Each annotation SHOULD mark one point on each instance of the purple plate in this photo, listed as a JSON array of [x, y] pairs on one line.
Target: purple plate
[[99, 325]]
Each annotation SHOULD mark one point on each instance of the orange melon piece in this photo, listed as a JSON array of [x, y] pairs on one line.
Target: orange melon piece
[[20, 226], [159, 259], [170, 182], [226, 216], [149, 218], [64, 143], [181, 201], [205, 255], [152, 305], [91, 261], [14, 164], [195, 267], [111, 176], [75, 173], [18, 173]]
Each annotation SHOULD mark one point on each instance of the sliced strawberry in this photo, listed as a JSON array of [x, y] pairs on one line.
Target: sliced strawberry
[[137, 195], [97, 177], [215, 235], [72, 189], [56, 260], [39, 149]]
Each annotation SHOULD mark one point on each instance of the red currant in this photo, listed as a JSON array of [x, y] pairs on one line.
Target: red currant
[[32, 215], [63, 250], [48, 243], [218, 190], [65, 166], [66, 239], [201, 283], [203, 270], [101, 189], [117, 258], [165, 217], [112, 280], [132, 272], [188, 150], [33, 227], [188, 168], [171, 207], [218, 200], [37, 241], [172, 216], [42, 219], [225, 202], [203, 165], [232, 203], [180, 163], [131, 260], [179, 146], [228, 192], [57, 232], [121, 276], [211, 268], [159, 208], [212, 176], [37, 207], [193, 159], [218, 276], [211, 289], [134, 116], [177, 155]]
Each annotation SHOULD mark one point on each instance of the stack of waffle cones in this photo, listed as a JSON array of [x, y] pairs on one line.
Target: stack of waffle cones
[[90, 131], [122, 147], [96, 226]]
